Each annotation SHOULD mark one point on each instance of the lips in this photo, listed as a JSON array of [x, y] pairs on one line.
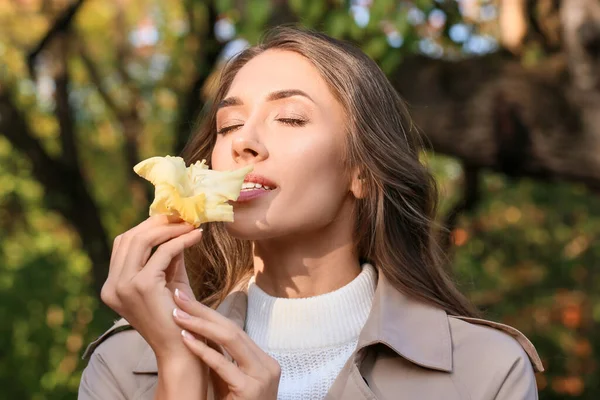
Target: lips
[[247, 195], [252, 193], [256, 178]]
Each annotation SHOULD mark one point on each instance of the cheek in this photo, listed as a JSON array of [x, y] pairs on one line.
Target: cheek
[[315, 182], [221, 155]]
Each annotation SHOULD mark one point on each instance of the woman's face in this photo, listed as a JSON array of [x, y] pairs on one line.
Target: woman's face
[[280, 116]]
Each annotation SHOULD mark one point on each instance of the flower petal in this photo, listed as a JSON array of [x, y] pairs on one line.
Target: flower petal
[[167, 169], [218, 185], [195, 194]]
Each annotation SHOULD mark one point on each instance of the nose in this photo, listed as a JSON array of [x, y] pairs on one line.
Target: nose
[[245, 150]]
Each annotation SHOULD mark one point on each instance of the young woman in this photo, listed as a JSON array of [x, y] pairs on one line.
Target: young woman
[[327, 284]]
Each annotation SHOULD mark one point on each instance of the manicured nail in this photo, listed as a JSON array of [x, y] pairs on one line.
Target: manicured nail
[[187, 335], [180, 314], [181, 295]]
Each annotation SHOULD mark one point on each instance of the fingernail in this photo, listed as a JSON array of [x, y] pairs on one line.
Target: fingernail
[[181, 295], [180, 314], [187, 335]]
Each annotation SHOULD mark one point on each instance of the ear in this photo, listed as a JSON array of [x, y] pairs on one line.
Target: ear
[[357, 185]]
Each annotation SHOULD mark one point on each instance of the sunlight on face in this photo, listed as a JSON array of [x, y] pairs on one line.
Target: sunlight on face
[[280, 115]]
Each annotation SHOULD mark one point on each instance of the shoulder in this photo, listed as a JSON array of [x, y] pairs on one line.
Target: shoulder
[[501, 341], [118, 360], [120, 343], [494, 353]]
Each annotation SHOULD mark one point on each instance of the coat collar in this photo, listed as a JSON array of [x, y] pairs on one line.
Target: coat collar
[[418, 332], [414, 330]]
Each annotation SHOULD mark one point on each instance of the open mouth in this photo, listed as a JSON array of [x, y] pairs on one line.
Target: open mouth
[[252, 191], [248, 186]]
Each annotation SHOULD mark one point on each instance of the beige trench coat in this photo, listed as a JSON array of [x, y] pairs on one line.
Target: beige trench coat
[[406, 350]]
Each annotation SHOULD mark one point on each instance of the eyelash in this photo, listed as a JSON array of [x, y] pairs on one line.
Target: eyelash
[[293, 121], [287, 121], [227, 129]]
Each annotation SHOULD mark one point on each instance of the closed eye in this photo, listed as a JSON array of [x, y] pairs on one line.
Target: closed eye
[[230, 128], [293, 121], [287, 121]]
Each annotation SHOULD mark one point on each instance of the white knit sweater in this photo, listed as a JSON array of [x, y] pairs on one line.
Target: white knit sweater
[[311, 338]]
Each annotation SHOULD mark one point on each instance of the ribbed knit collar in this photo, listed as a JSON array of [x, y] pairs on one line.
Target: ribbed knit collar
[[330, 319]]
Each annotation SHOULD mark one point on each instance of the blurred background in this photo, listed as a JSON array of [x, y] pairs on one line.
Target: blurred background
[[507, 93]]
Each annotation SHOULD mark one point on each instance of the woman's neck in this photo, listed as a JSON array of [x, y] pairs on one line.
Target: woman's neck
[[306, 266]]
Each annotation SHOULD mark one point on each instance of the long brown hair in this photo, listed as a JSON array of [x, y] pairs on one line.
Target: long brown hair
[[395, 225]]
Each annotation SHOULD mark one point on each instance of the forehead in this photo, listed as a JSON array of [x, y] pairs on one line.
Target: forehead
[[276, 70]]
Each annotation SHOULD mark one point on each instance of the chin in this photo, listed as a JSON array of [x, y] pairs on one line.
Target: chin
[[249, 229]]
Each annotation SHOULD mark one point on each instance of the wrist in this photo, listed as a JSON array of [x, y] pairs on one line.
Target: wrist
[[181, 377], [179, 364]]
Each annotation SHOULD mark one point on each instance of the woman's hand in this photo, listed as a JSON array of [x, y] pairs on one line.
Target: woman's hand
[[139, 286], [256, 375]]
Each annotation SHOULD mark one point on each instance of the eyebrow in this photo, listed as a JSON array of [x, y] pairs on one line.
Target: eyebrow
[[278, 95]]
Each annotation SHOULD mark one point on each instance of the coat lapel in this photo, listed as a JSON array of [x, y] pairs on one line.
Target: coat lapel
[[350, 384], [415, 331], [412, 329]]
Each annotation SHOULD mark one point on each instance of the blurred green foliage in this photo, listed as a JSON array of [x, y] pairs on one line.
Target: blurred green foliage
[[528, 255]]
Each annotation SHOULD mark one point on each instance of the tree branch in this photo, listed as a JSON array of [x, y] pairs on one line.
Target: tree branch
[[61, 25], [96, 78], [130, 123], [15, 129]]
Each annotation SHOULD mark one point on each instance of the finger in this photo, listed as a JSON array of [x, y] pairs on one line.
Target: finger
[[197, 309], [231, 339], [166, 252], [116, 258], [120, 249], [227, 370], [115, 247], [151, 222], [141, 244], [113, 256], [158, 219], [108, 288]]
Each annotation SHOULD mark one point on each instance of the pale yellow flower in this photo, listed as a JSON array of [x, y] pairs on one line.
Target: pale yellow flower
[[195, 194]]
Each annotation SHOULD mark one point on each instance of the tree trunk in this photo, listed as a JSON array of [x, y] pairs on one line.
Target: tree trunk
[[65, 190]]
